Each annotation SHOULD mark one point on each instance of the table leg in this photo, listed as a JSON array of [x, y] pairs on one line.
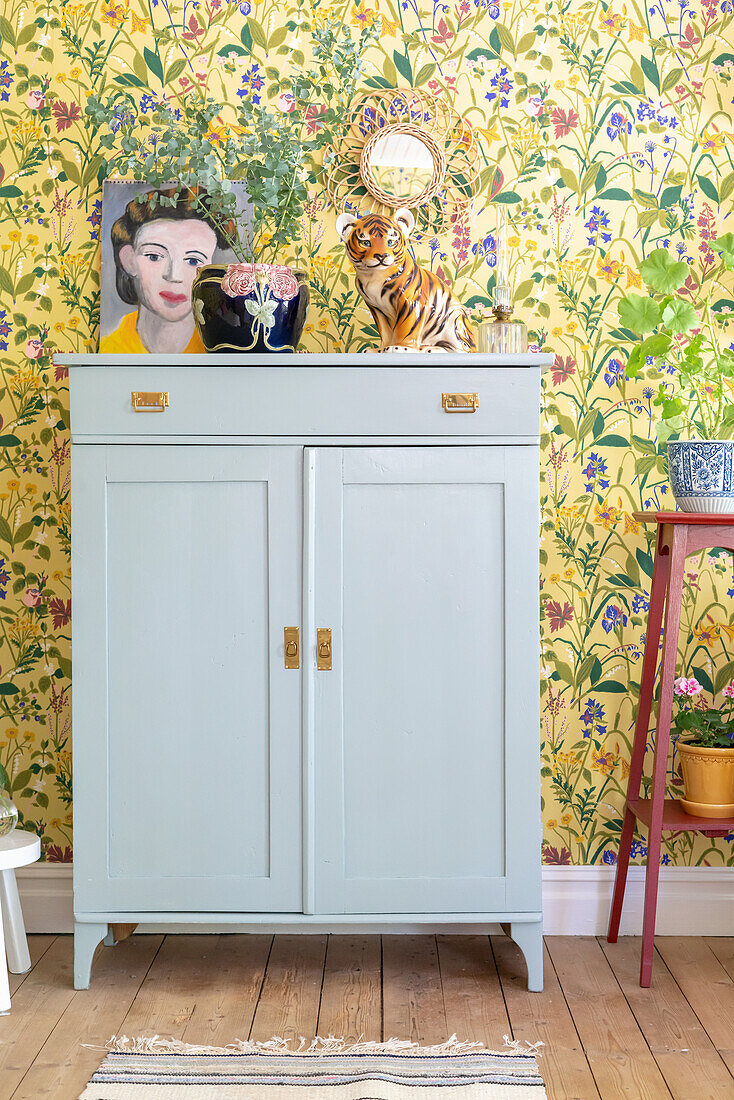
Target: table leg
[[662, 741], [4, 983], [660, 576], [16, 942]]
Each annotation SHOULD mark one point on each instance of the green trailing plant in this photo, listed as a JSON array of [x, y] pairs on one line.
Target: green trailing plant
[[268, 143], [683, 329], [699, 725]]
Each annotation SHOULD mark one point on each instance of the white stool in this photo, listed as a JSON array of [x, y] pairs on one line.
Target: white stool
[[16, 850]]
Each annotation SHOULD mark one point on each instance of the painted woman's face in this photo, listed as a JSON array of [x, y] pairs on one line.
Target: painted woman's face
[[163, 260]]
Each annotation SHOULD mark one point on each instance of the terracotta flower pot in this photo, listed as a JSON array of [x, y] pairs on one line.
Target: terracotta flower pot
[[708, 779]]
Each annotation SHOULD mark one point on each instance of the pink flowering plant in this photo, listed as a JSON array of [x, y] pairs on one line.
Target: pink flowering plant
[[707, 727]]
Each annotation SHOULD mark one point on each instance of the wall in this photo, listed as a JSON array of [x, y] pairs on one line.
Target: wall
[[607, 131]]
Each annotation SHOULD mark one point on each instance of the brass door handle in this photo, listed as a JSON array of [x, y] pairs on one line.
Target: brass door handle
[[155, 401], [323, 648], [460, 402], [290, 647]]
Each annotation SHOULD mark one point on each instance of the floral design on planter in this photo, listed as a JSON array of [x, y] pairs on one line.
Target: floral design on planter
[[702, 474], [243, 278], [250, 307]]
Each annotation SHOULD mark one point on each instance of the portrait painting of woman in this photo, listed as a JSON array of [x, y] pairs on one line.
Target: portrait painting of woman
[[156, 251]]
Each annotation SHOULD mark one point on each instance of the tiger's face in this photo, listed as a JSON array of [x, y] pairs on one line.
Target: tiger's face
[[376, 241]]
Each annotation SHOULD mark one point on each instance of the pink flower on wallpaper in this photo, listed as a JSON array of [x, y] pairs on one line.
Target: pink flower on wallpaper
[[564, 121], [312, 115], [34, 349], [60, 611], [56, 854], [556, 855], [286, 102], [33, 597], [36, 99], [283, 284], [65, 114], [240, 279], [563, 369], [558, 616]]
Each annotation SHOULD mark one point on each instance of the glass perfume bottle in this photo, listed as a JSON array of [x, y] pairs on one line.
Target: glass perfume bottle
[[503, 335]]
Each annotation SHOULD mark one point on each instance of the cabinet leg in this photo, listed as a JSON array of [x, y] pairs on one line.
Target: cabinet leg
[[86, 939], [529, 938]]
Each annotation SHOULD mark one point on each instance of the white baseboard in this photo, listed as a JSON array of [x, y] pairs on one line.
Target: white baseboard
[[692, 901], [46, 897]]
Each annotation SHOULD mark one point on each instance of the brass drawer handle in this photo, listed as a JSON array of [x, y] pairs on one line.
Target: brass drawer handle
[[290, 645], [155, 401], [460, 402], [323, 648]]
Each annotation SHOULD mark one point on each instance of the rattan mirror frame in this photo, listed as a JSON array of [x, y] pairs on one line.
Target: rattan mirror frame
[[449, 138]]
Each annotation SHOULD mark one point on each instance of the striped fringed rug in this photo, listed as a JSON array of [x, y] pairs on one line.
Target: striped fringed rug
[[148, 1069]]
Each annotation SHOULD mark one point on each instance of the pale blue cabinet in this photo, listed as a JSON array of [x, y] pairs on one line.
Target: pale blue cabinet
[[393, 777]]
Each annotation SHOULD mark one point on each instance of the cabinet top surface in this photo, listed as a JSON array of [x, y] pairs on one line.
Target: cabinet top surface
[[310, 359]]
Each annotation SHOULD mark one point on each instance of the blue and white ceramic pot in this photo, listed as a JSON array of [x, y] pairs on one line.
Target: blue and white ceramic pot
[[700, 474], [249, 307]]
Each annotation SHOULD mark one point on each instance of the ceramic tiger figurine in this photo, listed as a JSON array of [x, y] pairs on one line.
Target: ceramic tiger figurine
[[412, 308]]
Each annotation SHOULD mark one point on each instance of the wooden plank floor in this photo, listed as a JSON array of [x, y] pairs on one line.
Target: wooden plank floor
[[605, 1038]]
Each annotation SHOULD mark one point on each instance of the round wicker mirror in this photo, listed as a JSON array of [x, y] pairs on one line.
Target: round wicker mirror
[[405, 148], [402, 166]]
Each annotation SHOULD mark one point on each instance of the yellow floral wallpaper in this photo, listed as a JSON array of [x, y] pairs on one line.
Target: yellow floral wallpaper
[[606, 132]]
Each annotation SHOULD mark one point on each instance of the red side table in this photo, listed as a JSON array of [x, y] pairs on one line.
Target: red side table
[[679, 534]]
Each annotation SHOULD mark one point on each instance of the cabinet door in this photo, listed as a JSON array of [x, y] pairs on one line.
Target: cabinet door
[[425, 732], [186, 568]]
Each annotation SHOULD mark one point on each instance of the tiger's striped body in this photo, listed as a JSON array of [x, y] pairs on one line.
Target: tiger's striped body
[[412, 308]]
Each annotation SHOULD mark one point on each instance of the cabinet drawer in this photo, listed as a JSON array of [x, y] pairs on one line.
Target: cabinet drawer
[[304, 401]]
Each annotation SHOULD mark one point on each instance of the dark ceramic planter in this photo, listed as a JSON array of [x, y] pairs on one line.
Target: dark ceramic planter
[[249, 307]]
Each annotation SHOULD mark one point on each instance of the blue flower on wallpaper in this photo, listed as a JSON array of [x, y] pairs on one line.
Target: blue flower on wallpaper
[[613, 616], [486, 248], [502, 86], [609, 857], [490, 7], [619, 124], [597, 223], [649, 112], [5, 81], [95, 219], [614, 372], [638, 849], [640, 603], [4, 578], [5, 329], [592, 718], [252, 82], [595, 468]]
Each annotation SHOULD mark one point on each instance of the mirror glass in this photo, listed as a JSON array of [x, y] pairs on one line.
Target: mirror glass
[[401, 165]]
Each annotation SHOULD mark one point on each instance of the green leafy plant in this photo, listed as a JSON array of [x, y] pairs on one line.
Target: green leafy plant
[[268, 143], [684, 330], [706, 727]]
